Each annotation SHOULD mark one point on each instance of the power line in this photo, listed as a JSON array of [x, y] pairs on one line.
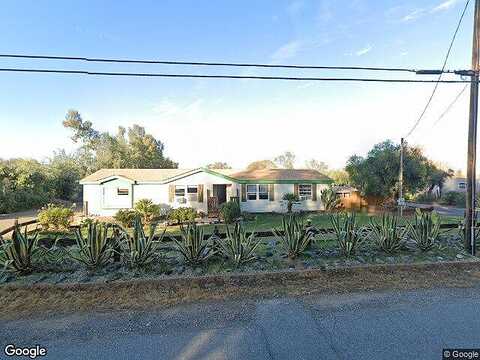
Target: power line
[[198, 63], [450, 106], [422, 114], [202, 76]]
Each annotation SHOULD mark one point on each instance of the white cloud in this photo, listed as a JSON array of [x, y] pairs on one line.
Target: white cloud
[[414, 15], [287, 51], [364, 50], [444, 5]]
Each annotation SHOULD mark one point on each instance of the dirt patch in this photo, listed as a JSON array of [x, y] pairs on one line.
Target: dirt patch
[[21, 301]]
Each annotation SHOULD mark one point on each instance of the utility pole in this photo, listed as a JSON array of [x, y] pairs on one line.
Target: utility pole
[[470, 216], [400, 180]]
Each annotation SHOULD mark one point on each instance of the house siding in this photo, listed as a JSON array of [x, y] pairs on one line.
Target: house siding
[[94, 194]]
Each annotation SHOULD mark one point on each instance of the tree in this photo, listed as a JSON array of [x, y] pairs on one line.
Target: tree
[[377, 173], [291, 199], [218, 165], [261, 164], [339, 176], [316, 165], [286, 160], [129, 148]]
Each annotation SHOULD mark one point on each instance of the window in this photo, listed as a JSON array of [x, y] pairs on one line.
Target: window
[[252, 192], [462, 185], [179, 191], [192, 193], [305, 191], [121, 191], [263, 192]]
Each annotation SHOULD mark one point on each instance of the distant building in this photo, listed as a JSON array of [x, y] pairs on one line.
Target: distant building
[[457, 184], [350, 197]]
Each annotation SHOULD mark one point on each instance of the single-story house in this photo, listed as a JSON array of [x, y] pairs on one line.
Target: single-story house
[[457, 184], [108, 190]]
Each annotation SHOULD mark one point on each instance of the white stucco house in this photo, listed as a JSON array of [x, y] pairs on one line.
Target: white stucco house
[[108, 190]]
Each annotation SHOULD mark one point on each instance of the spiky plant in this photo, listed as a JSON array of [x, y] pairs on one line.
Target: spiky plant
[[193, 247], [386, 234], [293, 236], [347, 232], [330, 199], [424, 230], [17, 254], [94, 250], [237, 246], [138, 250]]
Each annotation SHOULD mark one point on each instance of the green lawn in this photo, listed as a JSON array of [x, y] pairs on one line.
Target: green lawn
[[267, 222]]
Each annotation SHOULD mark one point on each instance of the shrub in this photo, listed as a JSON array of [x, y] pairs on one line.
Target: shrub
[[387, 235], [347, 232], [291, 199], [425, 198], [138, 249], [55, 217], [94, 250], [330, 199], [183, 215], [193, 247], [453, 198], [293, 236], [126, 217], [230, 211], [17, 254], [237, 246], [147, 210], [424, 230]]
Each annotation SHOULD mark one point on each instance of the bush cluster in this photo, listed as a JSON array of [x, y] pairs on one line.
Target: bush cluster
[[230, 211], [55, 217], [183, 215]]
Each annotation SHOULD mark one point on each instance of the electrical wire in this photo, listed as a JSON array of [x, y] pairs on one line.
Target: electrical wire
[[170, 75], [422, 114], [450, 106], [197, 63]]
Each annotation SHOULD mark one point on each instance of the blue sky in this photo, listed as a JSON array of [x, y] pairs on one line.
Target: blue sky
[[202, 121]]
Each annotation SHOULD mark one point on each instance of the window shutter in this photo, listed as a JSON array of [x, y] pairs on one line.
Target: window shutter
[[200, 193], [244, 192], [271, 192], [171, 193], [295, 189], [314, 192]]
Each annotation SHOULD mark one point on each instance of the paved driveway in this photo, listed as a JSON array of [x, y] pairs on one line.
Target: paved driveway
[[390, 325]]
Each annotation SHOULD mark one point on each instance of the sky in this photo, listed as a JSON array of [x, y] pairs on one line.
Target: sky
[[236, 121]]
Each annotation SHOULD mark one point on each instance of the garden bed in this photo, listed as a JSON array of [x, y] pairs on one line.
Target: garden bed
[[322, 254]]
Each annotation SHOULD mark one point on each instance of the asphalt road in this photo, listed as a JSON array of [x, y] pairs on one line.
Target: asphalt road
[[391, 325]]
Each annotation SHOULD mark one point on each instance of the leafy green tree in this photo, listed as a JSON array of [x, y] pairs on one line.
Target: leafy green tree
[[316, 165], [377, 173], [129, 148], [261, 164], [286, 160]]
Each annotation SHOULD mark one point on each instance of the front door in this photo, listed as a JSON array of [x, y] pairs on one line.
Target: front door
[[220, 192]]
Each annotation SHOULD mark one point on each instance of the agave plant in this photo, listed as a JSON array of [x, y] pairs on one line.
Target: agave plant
[[294, 236], [138, 249], [237, 246], [347, 232], [17, 254], [330, 199], [94, 250], [424, 230], [386, 233], [193, 247]]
